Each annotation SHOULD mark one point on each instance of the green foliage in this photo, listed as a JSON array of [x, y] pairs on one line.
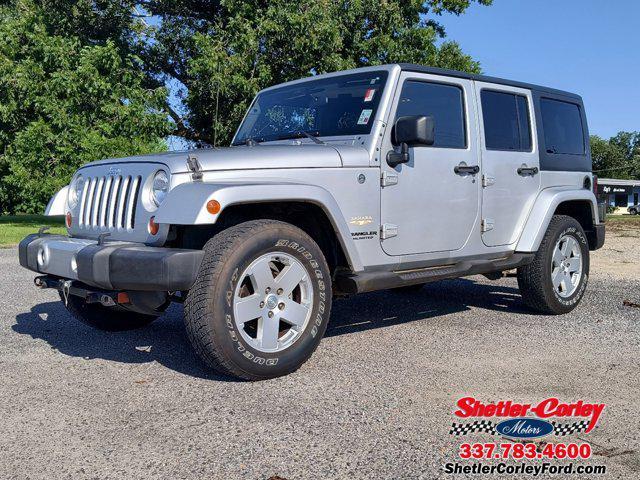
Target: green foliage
[[223, 52], [82, 80], [14, 228], [618, 157], [64, 103]]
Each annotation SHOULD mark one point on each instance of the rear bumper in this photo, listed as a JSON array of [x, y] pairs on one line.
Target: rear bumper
[[111, 266]]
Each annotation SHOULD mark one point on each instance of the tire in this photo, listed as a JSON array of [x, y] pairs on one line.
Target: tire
[[536, 280], [109, 319], [238, 263]]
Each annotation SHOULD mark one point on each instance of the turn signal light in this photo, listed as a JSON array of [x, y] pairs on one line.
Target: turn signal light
[[68, 220], [213, 207], [123, 297], [153, 226]]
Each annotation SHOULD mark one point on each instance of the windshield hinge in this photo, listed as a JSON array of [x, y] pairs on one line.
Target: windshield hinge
[[196, 169]]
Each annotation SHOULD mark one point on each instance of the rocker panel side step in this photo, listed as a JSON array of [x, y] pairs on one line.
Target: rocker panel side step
[[371, 281]]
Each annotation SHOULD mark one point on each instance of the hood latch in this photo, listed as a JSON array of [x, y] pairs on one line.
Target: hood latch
[[196, 169]]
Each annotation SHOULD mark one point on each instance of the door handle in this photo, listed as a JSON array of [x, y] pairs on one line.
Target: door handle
[[463, 169], [525, 171]]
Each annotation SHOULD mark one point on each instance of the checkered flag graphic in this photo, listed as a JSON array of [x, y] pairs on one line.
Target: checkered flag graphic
[[562, 429], [477, 426]]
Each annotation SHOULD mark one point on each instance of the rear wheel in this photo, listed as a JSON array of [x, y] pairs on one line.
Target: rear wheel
[[110, 319], [261, 302], [555, 281]]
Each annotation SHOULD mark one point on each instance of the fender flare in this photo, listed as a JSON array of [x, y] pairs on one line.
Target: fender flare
[[186, 205], [57, 203], [543, 209]]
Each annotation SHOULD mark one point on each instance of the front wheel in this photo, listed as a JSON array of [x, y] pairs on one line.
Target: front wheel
[[261, 301], [555, 281]]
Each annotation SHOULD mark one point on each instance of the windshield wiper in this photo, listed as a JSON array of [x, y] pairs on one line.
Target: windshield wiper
[[302, 133]]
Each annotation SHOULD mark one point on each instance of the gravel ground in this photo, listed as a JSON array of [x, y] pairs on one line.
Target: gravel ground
[[375, 401]]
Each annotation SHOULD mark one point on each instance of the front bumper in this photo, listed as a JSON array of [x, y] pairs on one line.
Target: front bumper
[[112, 265]]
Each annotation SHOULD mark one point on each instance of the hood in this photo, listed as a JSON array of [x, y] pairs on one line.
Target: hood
[[257, 157]]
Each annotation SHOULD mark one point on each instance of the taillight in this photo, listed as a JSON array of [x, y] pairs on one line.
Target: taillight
[[595, 184]]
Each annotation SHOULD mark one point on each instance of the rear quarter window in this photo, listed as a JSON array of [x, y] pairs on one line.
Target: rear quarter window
[[562, 125]]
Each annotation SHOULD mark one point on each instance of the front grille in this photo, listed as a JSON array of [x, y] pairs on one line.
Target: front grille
[[109, 202]]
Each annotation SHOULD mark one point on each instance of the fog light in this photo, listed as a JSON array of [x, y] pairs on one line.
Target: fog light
[[68, 220], [153, 226], [213, 207]]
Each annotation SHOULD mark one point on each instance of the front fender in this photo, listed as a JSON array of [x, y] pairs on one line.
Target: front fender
[[544, 208], [186, 205], [57, 203]]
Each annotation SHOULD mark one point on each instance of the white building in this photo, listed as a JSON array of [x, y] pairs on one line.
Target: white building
[[619, 193]]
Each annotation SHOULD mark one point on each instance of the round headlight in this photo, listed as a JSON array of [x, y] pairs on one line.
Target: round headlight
[[75, 191], [160, 187]]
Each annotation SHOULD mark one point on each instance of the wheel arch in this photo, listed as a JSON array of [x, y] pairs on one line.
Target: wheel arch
[[578, 204], [309, 207]]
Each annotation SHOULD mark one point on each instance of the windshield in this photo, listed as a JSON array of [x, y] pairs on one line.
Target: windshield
[[341, 105]]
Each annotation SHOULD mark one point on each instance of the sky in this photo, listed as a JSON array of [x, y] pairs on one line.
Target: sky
[[589, 47]]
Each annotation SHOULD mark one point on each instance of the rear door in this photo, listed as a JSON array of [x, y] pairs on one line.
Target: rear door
[[510, 160]]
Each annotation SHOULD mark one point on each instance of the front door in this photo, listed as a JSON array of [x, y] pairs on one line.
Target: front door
[[432, 206], [509, 159]]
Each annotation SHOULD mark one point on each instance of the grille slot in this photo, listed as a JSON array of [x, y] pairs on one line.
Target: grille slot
[[109, 203]]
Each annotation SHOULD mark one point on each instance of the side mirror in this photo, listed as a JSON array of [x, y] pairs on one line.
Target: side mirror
[[410, 131], [414, 130]]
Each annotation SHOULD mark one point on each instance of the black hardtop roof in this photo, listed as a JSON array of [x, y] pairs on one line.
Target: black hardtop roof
[[410, 67]]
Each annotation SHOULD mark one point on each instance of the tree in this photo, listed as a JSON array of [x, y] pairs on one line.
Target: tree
[[222, 52], [87, 79], [618, 157], [65, 102]]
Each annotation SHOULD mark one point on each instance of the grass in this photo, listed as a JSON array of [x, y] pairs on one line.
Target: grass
[[624, 225], [14, 228], [630, 219]]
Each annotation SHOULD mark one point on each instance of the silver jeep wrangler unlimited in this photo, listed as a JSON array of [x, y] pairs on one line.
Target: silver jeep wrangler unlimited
[[377, 178]]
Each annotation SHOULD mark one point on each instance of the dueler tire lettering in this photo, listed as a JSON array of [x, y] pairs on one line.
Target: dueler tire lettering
[[209, 310], [534, 279]]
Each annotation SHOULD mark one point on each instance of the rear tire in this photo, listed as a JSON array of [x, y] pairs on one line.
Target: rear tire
[[555, 281], [109, 319], [261, 301]]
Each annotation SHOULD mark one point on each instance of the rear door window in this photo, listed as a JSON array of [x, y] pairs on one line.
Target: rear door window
[[442, 102], [506, 121], [562, 125]]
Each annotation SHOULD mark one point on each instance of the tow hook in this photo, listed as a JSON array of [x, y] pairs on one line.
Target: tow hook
[[107, 301]]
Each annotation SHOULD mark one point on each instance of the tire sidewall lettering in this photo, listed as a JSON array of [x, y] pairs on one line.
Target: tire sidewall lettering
[[315, 323]]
